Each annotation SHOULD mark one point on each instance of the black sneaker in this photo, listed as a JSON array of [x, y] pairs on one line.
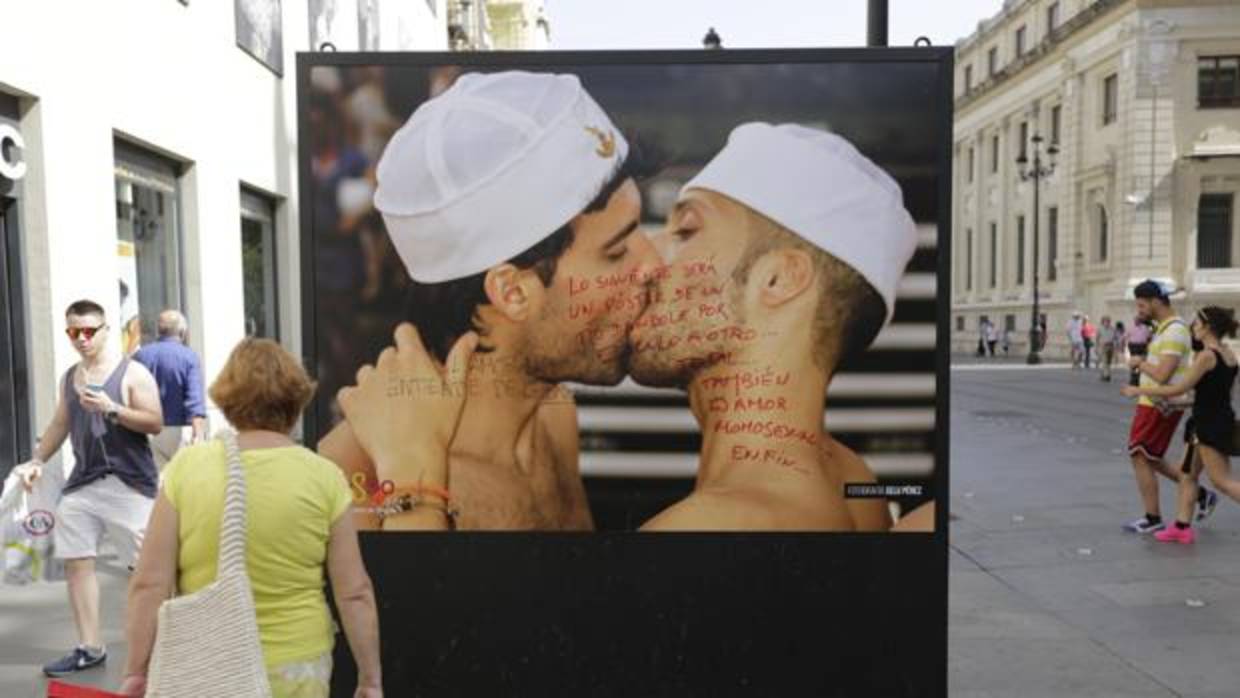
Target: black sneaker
[[1206, 504], [77, 660]]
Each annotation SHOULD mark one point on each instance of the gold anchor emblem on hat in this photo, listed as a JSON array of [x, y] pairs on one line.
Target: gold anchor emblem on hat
[[606, 142]]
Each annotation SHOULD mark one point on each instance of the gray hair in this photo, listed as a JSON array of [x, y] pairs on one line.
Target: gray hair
[[172, 324]]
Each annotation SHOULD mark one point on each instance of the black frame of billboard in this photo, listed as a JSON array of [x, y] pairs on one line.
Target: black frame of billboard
[[836, 614]]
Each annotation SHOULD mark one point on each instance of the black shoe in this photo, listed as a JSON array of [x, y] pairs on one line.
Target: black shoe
[[77, 660]]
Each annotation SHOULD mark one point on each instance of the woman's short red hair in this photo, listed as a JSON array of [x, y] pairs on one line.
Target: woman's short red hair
[[262, 386]]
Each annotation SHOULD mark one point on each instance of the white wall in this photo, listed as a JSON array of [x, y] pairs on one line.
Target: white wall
[[169, 77]]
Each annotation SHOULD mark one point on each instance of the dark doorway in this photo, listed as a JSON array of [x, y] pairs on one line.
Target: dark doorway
[[14, 400]]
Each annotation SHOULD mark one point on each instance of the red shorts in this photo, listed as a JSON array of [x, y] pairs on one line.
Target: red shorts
[[1152, 431]]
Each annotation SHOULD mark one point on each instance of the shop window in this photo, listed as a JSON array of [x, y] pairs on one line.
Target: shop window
[[258, 264], [148, 241]]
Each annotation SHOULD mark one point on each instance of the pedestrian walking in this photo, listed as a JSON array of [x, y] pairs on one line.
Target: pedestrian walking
[[178, 373], [1137, 339], [108, 405], [1155, 420], [1076, 343], [1088, 334], [299, 527], [1210, 430], [1106, 348], [992, 337]]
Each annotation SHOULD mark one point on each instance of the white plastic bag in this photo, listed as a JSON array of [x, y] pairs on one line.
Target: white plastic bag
[[27, 523]]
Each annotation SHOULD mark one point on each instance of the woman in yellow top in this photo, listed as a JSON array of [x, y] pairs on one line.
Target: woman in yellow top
[[296, 504]]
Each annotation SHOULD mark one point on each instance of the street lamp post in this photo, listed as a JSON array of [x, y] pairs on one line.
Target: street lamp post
[[1037, 173]]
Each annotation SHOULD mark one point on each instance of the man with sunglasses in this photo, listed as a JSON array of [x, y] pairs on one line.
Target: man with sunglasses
[[108, 407]]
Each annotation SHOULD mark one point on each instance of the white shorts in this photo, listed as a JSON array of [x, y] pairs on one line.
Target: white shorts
[[106, 504]]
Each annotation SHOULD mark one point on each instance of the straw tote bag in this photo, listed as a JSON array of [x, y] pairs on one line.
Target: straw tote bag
[[207, 642]]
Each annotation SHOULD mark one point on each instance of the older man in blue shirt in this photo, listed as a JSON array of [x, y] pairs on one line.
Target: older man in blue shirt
[[178, 373]]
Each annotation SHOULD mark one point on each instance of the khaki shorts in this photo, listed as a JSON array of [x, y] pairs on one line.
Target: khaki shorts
[[167, 442]]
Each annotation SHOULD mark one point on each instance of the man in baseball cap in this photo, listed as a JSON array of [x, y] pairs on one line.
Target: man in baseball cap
[[786, 252], [1167, 360], [511, 201]]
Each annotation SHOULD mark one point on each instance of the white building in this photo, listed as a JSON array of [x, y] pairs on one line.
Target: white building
[[500, 25], [1142, 100], [518, 25], [150, 161]]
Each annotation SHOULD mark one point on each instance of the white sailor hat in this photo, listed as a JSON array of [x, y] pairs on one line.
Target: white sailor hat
[[490, 167], [819, 186]]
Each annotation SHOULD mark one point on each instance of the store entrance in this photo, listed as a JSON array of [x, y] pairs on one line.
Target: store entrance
[[14, 401]]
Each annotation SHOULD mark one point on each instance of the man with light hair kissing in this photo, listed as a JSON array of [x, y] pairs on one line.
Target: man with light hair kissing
[[501, 195], [785, 254]]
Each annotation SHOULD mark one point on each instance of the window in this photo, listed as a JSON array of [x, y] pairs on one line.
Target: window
[[1020, 250], [1218, 81], [148, 241], [1024, 139], [1101, 233], [970, 164], [960, 323], [1052, 243], [260, 33], [1009, 323], [968, 78], [992, 61], [1052, 17], [258, 265], [1110, 98], [1020, 42], [968, 267], [994, 153], [994, 255], [1055, 111], [1214, 228]]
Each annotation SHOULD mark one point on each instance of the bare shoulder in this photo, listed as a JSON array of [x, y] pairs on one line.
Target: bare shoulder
[[749, 509], [1205, 359], [136, 373], [704, 511], [138, 380], [846, 461]]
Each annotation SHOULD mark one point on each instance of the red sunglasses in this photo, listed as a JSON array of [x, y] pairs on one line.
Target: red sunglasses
[[87, 332]]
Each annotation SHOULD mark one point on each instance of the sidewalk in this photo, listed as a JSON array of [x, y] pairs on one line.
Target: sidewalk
[[1048, 597], [36, 626]]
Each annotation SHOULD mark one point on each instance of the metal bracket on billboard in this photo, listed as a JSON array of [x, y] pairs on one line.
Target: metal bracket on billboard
[[327, 46], [922, 42]]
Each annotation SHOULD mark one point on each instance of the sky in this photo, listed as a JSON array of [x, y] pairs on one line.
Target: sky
[[650, 24]]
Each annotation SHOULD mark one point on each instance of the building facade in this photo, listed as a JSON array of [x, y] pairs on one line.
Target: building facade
[[1141, 101], [148, 160]]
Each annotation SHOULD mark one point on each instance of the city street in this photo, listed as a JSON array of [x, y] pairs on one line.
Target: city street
[[1048, 596]]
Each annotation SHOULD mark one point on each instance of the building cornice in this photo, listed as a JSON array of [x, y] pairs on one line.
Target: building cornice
[[1071, 28]]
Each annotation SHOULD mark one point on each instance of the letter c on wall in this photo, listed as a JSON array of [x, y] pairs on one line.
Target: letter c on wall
[[10, 140]]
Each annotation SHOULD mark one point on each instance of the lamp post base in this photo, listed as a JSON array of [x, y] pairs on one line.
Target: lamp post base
[[1033, 359]]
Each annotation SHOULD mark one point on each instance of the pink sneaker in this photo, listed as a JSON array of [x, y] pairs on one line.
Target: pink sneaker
[[1172, 534]]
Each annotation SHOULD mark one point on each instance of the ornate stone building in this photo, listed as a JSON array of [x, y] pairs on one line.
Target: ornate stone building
[[1141, 99]]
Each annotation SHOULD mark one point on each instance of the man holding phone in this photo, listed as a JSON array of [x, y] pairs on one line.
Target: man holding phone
[[108, 407]]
